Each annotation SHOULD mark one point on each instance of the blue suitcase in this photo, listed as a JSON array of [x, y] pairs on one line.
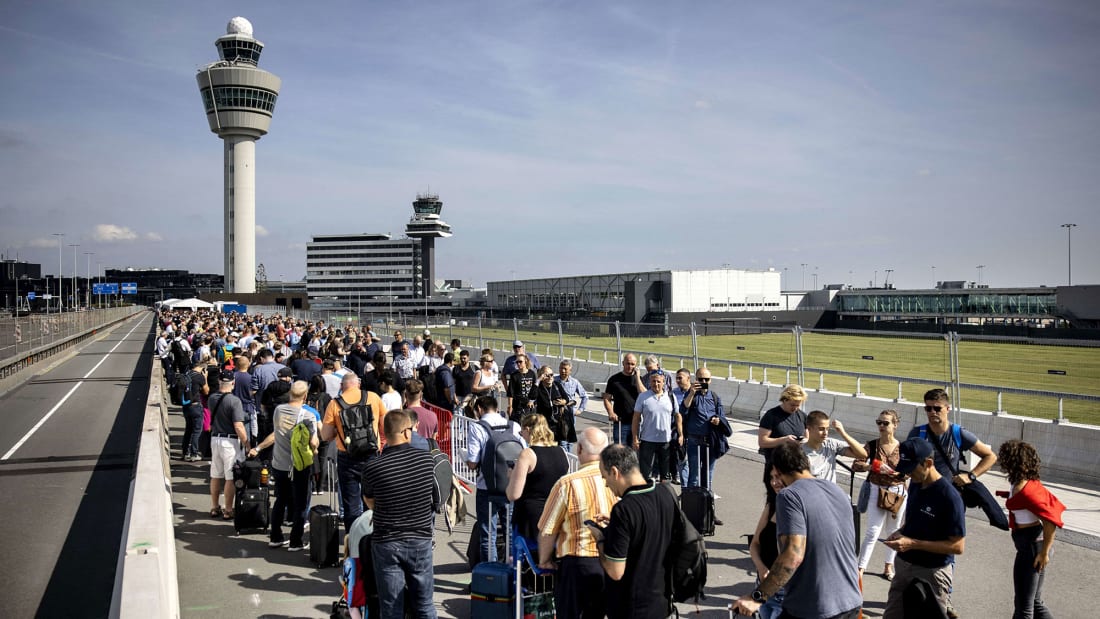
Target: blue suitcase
[[493, 590]]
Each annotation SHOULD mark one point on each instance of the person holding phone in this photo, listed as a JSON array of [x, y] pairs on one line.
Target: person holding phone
[[700, 409]]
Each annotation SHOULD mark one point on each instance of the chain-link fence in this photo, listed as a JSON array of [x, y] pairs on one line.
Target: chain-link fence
[[22, 335]]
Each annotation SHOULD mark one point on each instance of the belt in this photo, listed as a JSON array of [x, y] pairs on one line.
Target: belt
[[217, 435]]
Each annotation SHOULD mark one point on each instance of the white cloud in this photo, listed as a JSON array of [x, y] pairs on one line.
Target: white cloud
[[42, 242], [110, 233], [702, 104], [261, 231], [153, 236]]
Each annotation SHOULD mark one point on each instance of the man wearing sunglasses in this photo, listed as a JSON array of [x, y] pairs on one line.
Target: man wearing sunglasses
[[701, 408]]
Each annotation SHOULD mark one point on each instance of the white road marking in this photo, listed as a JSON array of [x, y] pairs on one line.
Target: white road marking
[[53, 410]]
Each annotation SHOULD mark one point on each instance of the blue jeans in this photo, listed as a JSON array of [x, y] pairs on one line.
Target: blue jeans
[[401, 564], [192, 416], [290, 495], [621, 433], [349, 476], [487, 514], [693, 442]]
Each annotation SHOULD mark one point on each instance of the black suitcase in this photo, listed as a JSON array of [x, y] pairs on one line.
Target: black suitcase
[[248, 474], [697, 502], [324, 528], [252, 510]]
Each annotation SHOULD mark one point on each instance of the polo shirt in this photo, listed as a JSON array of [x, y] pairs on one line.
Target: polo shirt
[[639, 533], [576, 497]]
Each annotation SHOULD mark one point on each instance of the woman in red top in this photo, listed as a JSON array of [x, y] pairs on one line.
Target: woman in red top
[[1034, 516]]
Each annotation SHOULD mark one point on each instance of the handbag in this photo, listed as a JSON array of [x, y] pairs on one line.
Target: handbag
[[864, 497], [890, 501]]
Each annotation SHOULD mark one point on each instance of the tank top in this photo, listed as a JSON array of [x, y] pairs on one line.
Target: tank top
[[551, 465]]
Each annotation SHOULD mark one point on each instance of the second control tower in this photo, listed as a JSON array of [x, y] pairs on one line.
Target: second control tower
[[239, 99]]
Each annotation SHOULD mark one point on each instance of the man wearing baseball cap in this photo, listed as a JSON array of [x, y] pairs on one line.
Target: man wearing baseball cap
[[934, 529], [510, 363]]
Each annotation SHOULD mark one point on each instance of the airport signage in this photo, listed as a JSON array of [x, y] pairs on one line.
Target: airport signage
[[129, 287], [30, 296], [104, 288]]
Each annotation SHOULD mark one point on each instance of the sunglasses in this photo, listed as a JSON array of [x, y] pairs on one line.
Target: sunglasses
[[882, 423], [929, 409]]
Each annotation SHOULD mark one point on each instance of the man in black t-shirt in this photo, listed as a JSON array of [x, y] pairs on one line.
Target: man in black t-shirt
[[634, 540], [195, 387], [464, 374], [619, 396], [785, 423]]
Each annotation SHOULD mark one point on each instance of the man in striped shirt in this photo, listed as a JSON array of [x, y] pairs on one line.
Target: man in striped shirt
[[575, 498], [398, 486]]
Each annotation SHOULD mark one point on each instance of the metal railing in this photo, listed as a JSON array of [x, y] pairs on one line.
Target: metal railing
[[460, 440], [25, 340]]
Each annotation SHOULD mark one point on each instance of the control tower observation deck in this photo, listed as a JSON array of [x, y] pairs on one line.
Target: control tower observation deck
[[239, 99], [426, 225]]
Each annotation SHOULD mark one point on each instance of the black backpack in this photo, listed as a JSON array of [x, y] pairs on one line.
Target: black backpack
[[179, 355], [498, 457], [686, 561], [427, 377], [360, 436], [183, 387]]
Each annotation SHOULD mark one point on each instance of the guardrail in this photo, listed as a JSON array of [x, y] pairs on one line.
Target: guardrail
[[145, 577], [27, 340], [460, 433]]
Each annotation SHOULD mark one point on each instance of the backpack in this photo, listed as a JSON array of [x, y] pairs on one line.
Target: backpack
[[301, 453], [179, 355], [359, 434], [183, 385], [686, 561], [427, 376], [498, 456], [956, 433], [444, 478]]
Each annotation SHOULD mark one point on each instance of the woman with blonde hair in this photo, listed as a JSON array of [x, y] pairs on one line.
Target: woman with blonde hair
[[536, 470]]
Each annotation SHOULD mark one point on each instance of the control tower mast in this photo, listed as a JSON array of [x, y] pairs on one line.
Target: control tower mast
[[426, 225], [239, 99]]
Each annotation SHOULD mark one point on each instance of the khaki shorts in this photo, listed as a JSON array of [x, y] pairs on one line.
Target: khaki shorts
[[224, 453]]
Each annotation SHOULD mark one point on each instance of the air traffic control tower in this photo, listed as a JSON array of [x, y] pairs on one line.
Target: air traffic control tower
[[426, 225], [239, 99]]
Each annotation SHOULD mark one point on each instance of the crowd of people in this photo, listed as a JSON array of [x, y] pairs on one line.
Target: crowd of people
[[245, 384]]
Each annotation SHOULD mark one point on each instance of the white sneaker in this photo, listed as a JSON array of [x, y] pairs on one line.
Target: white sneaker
[[304, 546], [285, 542]]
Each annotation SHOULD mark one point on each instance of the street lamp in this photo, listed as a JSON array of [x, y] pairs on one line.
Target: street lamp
[[88, 284], [1069, 252], [60, 242], [934, 282], [74, 302], [803, 275], [980, 267]]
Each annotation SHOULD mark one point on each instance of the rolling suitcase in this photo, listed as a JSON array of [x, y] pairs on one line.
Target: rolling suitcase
[[324, 528], [248, 474], [697, 502], [493, 583], [252, 510]]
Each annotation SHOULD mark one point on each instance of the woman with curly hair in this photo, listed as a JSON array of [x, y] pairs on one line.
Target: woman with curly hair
[[1034, 516]]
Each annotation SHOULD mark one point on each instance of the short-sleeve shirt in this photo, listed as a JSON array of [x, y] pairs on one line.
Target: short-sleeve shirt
[[427, 421], [934, 514], [624, 395], [285, 418], [464, 380], [223, 416], [352, 396], [825, 583], [655, 426], [400, 482], [947, 441], [477, 438], [781, 423], [444, 384], [823, 459], [639, 533]]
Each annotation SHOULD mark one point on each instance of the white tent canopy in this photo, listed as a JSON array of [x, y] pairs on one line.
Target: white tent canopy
[[191, 304]]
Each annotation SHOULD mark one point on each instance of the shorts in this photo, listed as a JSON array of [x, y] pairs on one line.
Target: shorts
[[224, 453]]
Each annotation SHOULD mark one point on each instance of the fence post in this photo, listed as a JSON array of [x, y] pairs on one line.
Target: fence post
[[798, 354], [750, 373], [787, 377], [480, 339], [561, 341], [695, 347], [900, 397], [821, 381], [859, 390], [1000, 409], [765, 376], [1061, 416], [953, 346], [515, 328], [618, 343], [729, 371]]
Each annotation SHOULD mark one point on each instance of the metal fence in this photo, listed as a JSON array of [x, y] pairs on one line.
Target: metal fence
[[1052, 379], [25, 335], [460, 440]]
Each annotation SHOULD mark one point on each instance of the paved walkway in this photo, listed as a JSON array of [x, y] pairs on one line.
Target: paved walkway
[[221, 575]]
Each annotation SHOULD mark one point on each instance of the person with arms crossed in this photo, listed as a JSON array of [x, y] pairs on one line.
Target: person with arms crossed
[[622, 391]]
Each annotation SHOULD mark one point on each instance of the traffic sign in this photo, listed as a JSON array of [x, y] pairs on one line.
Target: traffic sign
[[47, 296], [104, 288], [129, 287], [30, 296]]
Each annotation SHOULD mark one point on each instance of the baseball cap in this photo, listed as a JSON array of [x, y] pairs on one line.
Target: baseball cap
[[517, 344], [427, 332], [912, 452], [286, 373], [227, 376]]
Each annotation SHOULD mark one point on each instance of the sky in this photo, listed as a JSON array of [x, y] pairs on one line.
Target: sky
[[934, 140]]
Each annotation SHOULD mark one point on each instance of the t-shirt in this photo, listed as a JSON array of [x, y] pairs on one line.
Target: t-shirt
[[391, 400], [655, 426], [947, 441], [445, 386], [197, 381], [464, 380], [427, 422], [781, 423], [476, 439], [825, 583], [936, 513], [222, 418], [285, 418], [352, 397], [242, 388], [823, 459], [639, 533], [401, 483], [332, 384], [304, 369], [624, 395]]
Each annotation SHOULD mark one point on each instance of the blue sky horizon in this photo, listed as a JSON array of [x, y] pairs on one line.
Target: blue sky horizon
[[569, 138]]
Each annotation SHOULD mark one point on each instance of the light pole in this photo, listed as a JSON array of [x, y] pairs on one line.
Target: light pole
[[73, 303], [815, 278], [803, 275], [88, 284], [60, 242], [1069, 252], [934, 282], [886, 282], [980, 267], [786, 282]]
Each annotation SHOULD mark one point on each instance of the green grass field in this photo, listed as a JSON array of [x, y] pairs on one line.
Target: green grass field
[[926, 360]]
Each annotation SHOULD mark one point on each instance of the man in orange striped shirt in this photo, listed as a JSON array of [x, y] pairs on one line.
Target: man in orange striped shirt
[[575, 498]]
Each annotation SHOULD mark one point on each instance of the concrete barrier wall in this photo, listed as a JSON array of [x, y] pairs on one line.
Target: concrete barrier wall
[[1067, 450], [145, 579]]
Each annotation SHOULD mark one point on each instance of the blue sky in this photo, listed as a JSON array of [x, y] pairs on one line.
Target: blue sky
[[573, 137]]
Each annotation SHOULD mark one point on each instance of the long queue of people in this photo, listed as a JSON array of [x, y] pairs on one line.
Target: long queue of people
[[607, 529]]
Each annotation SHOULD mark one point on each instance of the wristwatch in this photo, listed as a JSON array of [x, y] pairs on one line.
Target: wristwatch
[[758, 596], [971, 476]]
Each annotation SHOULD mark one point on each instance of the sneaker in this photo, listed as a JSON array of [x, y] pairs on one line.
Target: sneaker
[[304, 546], [718, 522], [952, 613], [716, 497], [285, 542]]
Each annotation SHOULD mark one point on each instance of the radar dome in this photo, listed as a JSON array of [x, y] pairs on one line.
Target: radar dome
[[239, 25]]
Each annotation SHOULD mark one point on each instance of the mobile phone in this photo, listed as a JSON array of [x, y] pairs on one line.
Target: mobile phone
[[592, 523]]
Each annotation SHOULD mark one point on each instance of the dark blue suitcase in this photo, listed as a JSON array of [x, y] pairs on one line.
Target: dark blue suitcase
[[493, 590]]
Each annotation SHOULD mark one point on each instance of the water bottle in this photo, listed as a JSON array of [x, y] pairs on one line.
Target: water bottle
[[263, 476], [878, 466]]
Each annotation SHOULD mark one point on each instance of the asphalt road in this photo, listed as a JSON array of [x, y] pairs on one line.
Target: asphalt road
[[68, 440]]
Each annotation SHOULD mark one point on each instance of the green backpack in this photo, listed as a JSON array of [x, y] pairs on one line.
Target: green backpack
[[300, 451]]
